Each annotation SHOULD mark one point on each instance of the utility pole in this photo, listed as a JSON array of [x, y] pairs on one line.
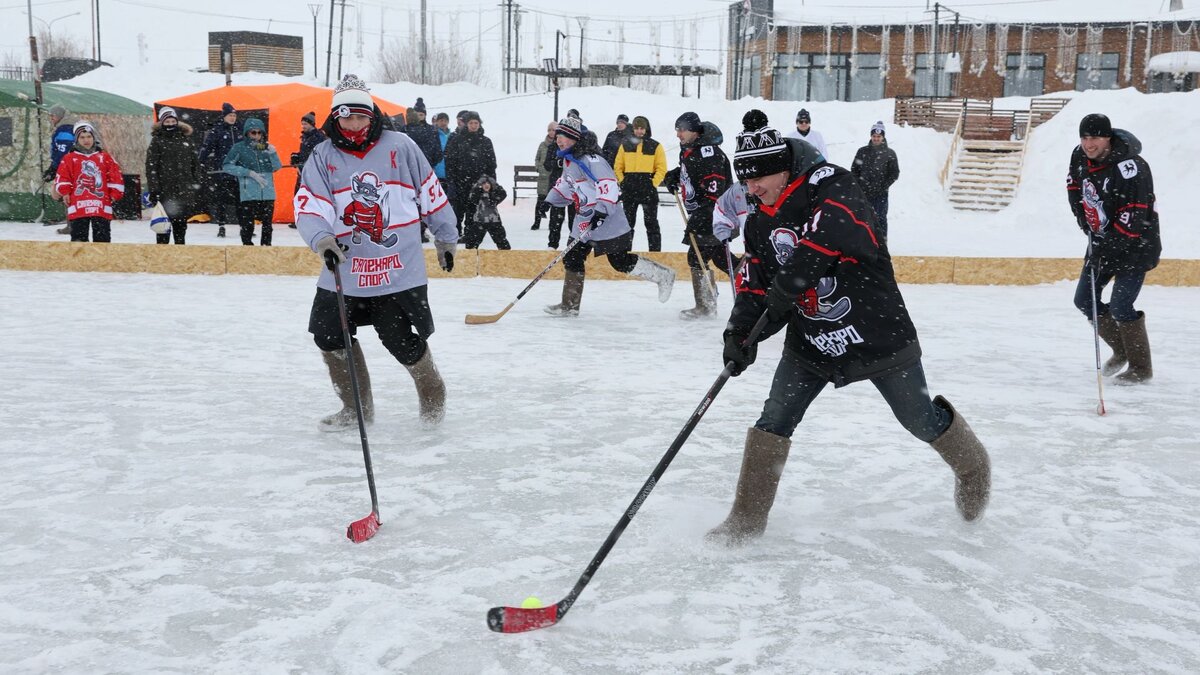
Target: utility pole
[[936, 89], [517, 49], [582, 28], [315, 9], [424, 46], [99, 56], [341, 37], [329, 44], [508, 25]]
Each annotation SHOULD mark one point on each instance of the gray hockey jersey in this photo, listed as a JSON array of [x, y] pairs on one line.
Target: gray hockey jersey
[[729, 215], [373, 204], [589, 196]]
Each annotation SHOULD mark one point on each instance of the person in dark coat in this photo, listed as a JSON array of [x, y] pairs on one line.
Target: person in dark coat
[[222, 189], [817, 268], [702, 177], [423, 133], [469, 157], [876, 168], [173, 173], [1111, 192], [485, 196], [614, 139]]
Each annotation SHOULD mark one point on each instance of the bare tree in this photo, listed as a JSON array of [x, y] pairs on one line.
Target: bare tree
[[401, 62], [63, 44]]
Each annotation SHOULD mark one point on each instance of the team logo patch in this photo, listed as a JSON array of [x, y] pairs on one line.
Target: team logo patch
[[814, 302], [820, 175], [342, 111], [1128, 168], [706, 151], [364, 213], [784, 241]]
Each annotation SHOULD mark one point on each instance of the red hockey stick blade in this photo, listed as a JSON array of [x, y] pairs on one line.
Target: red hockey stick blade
[[520, 619], [362, 530]]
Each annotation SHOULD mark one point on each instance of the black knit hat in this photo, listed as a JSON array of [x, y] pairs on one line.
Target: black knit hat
[[227, 108], [803, 116], [1095, 124], [569, 127], [419, 106], [689, 121], [471, 115], [310, 117], [761, 150], [623, 118]]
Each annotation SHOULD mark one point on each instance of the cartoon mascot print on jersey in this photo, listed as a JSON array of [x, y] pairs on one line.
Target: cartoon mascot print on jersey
[[812, 302], [90, 179], [364, 212], [1093, 209]]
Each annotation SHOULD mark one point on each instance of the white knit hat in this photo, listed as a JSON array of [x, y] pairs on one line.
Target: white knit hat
[[351, 97]]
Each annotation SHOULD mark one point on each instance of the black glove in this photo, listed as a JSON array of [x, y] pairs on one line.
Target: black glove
[[153, 197], [48, 175], [780, 303], [295, 158], [671, 181], [596, 221], [738, 356]]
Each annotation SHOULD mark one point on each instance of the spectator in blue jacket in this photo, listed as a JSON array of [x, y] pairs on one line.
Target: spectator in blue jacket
[[441, 122], [253, 161], [61, 142]]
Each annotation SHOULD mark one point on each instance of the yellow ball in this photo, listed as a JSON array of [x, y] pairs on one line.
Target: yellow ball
[[531, 603]]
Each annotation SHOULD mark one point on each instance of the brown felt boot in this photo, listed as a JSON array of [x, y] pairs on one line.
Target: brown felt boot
[[1137, 348], [1111, 334], [702, 288], [572, 295], [431, 390], [968, 459], [762, 465], [339, 374]]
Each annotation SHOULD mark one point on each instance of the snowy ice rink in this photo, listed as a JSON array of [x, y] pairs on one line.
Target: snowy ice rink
[[167, 505]]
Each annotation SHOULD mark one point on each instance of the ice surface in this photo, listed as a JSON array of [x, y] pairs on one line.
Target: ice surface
[[167, 504]]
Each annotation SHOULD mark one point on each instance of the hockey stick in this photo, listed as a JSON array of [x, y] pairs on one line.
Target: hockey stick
[[711, 283], [1096, 330], [520, 619], [729, 266], [363, 528], [475, 319]]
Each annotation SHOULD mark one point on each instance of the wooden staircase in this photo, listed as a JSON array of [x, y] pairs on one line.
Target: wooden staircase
[[986, 174]]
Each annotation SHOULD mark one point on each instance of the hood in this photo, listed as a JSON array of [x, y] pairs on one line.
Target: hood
[[410, 116], [1124, 146], [711, 135], [804, 156], [485, 179], [185, 129], [254, 124]]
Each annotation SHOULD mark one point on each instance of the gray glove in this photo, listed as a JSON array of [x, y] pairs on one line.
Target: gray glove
[[445, 254], [329, 246], [258, 178]]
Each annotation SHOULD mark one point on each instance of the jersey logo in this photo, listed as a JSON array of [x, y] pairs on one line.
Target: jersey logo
[[707, 151], [814, 304], [820, 175], [1128, 168], [364, 214], [784, 241]]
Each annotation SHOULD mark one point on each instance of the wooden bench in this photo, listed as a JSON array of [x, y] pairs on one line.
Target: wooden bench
[[525, 177]]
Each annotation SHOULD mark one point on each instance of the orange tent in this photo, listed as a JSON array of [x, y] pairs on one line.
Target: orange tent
[[280, 107]]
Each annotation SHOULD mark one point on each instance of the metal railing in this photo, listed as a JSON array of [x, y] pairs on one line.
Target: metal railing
[[946, 167], [15, 73]]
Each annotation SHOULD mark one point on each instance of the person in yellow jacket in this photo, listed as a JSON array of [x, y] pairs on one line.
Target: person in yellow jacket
[[640, 167]]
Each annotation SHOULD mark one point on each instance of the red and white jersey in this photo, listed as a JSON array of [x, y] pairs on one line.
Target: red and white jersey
[[90, 184], [374, 203]]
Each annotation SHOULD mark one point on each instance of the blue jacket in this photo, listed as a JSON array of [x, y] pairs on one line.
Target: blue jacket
[[439, 169], [62, 142], [246, 157], [217, 143]]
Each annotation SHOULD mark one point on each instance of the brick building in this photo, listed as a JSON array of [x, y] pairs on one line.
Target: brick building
[[856, 62]]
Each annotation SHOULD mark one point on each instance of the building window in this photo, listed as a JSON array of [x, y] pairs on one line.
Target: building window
[[1027, 81], [1100, 74], [750, 83], [925, 85], [809, 80]]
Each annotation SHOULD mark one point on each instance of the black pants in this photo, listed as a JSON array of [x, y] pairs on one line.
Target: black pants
[[101, 229], [638, 190], [615, 250], [402, 321], [223, 198], [260, 210], [179, 227], [558, 214], [460, 202], [712, 251], [880, 204], [473, 234]]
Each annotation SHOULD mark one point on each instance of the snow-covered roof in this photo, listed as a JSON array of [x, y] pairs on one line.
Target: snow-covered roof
[[1175, 62], [875, 12]]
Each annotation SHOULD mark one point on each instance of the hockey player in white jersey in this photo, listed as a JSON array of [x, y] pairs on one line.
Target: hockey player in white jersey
[[363, 195]]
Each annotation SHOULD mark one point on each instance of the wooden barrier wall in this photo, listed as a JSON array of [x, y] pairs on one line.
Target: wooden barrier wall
[[293, 260]]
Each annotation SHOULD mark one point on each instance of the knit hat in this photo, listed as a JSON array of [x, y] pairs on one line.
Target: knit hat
[[569, 127], [877, 128], [803, 116], [165, 112], [574, 113], [419, 106], [57, 110], [623, 118], [761, 150], [351, 97], [84, 125], [227, 108], [472, 115], [689, 121], [1095, 124], [310, 117], [642, 122]]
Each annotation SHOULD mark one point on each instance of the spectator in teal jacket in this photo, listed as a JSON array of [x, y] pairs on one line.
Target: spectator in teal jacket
[[253, 160]]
